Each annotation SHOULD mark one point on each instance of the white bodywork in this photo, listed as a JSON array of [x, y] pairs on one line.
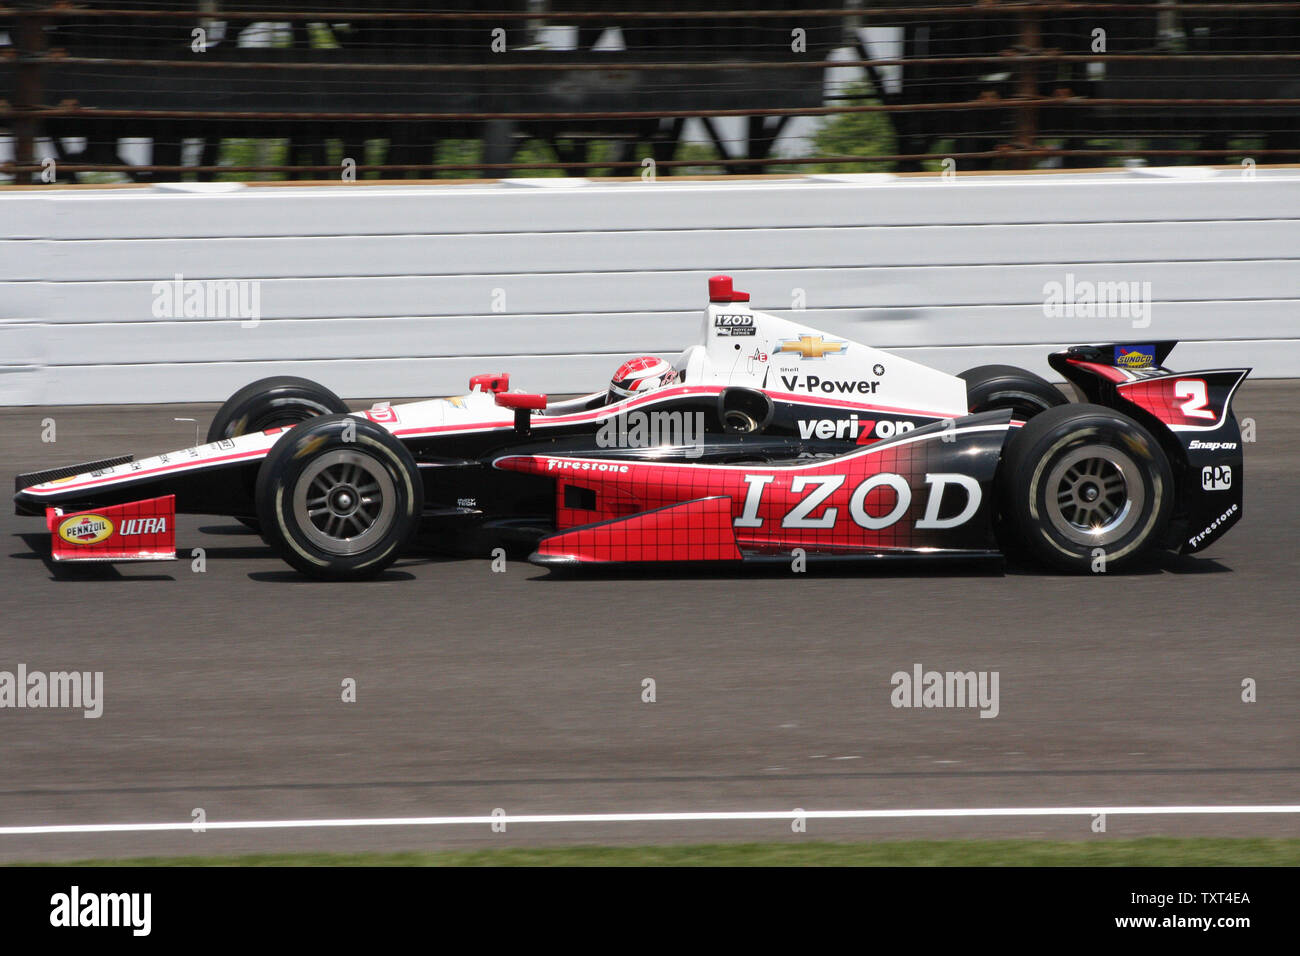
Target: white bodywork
[[784, 356], [740, 347]]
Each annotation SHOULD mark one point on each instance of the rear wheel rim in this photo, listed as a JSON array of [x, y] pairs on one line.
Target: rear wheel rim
[[1095, 495], [345, 502]]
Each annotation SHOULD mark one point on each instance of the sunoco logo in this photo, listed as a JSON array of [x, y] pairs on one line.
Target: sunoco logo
[[1132, 358], [85, 529]]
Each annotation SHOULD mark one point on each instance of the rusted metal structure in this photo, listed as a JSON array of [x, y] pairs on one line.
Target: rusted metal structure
[[992, 84]]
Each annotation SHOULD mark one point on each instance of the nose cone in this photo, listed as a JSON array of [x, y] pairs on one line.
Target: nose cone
[[27, 504]]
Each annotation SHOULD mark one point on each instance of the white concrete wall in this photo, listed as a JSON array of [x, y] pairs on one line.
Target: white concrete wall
[[407, 291]]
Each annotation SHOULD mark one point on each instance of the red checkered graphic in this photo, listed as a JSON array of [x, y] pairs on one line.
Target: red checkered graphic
[[868, 501], [133, 531], [1177, 401], [693, 531]]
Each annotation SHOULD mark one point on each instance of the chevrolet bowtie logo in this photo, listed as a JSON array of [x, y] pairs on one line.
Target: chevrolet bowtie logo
[[812, 346]]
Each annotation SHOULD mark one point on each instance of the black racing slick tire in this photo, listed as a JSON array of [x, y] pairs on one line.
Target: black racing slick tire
[[271, 403], [339, 498], [992, 387], [1086, 489]]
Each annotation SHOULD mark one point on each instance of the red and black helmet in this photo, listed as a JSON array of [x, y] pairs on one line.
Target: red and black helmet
[[638, 375]]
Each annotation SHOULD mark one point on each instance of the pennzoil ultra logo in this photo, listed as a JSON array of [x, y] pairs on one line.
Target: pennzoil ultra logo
[[85, 529], [137, 526], [1138, 356]]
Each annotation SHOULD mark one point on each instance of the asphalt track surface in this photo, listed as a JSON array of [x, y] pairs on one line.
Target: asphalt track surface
[[522, 690]]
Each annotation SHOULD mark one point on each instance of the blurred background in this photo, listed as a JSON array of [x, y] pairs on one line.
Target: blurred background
[[162, 90]]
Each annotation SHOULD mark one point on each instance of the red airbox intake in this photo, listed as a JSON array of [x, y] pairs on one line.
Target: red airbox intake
[[720, 290]]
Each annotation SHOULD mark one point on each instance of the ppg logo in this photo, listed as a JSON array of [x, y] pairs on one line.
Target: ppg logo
[[1216, 477]]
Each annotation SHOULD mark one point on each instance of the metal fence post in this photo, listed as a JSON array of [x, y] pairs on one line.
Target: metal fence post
[[29, 85], [1030, 44]]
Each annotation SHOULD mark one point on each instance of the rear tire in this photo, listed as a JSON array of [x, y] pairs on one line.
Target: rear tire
[[992, 387], [1079, 478], [271, 403], [339, 498]]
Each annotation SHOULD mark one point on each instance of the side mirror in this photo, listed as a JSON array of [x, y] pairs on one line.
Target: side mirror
[[524, 404], [520, 400]]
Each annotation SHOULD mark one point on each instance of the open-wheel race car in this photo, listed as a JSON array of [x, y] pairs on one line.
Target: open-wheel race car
[[765, 437]]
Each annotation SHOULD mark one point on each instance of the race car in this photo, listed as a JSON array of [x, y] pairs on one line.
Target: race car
[[766, 441]]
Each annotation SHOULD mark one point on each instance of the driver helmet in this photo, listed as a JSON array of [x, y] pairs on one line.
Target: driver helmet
[[640, 375]]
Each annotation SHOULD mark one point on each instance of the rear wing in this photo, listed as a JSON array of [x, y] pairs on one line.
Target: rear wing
[[1113, 361], [1133, 378], [1189, 413]]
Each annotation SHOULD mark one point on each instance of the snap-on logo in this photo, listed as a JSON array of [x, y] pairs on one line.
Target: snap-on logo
[[85, 529], [553, 464]]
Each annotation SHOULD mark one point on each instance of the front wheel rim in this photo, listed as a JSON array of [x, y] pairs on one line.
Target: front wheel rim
[[344, 502], [1095, 495]]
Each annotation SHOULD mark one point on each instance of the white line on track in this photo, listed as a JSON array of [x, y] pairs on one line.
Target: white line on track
[[647, 818]]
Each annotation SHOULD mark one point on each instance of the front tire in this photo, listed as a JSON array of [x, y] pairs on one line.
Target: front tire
[[1081, 483], [339, 498], [271, 403]]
